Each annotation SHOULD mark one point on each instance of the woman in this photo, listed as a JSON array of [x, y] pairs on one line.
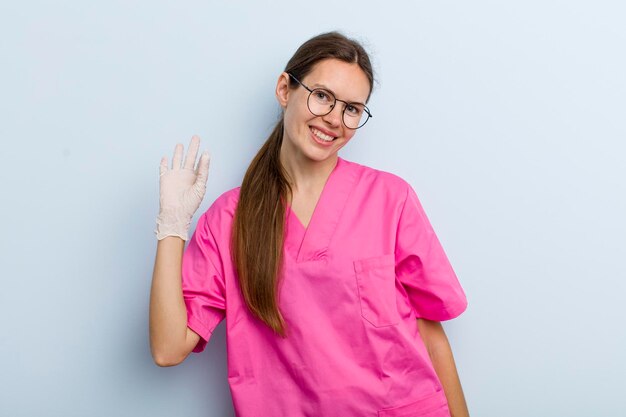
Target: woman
[[328, 273]]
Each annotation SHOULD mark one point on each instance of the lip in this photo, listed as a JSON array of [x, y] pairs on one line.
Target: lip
[[326, 132], [319, 141]]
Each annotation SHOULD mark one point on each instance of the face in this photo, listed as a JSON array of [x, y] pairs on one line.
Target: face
[[303, 129]]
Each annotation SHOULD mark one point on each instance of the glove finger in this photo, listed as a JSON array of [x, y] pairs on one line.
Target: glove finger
[[163, 166], [192, 152], [203, 168], [178, 156]]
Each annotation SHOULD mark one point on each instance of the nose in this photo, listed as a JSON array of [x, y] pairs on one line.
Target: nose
[[334, 117]]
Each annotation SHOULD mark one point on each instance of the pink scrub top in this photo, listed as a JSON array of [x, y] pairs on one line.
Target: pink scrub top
[[354, 282]]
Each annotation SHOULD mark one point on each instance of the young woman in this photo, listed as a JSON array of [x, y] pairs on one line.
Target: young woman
[[330, 277]]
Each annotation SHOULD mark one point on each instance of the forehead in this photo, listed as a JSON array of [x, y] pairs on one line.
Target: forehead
[[346, 80]]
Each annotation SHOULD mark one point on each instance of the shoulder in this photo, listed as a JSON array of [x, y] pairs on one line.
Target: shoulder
[[228, 199], [373, 179], [221, 212]]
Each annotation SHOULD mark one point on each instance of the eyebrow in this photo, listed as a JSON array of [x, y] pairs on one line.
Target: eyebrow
[[326, 88]]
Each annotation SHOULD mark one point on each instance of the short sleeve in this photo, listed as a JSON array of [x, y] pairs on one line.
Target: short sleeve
[[423, 268], [202, 283]]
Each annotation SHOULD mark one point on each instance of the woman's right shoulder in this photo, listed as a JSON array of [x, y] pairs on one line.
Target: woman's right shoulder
[[222, 210]]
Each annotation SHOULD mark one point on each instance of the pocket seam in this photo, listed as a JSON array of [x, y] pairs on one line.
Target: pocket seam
[[361, 268], [427, 405]]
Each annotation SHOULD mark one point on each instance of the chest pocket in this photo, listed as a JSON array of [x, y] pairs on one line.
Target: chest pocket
[[375, 281]]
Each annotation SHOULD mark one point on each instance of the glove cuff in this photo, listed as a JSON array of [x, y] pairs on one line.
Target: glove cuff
[[173, 222]]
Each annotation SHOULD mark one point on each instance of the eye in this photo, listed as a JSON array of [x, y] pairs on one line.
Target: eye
[[322, 96], [354, 110]]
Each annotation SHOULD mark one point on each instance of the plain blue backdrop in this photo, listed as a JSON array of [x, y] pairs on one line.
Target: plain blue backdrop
[[508, 118]]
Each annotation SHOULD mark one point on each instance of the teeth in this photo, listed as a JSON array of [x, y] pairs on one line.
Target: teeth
[[321, 135]]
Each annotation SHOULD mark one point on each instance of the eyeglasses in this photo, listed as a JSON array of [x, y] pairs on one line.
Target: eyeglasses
[[321, 102]]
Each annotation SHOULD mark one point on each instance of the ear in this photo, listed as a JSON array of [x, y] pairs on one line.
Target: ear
[[282, 89]]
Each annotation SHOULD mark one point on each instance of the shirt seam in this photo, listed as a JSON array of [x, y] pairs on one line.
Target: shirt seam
[[208, 227]]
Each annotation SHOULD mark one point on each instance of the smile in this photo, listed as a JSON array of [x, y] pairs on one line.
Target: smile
[[322, 136]]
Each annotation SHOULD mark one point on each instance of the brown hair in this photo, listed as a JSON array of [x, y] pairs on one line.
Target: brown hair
[[258, 226]]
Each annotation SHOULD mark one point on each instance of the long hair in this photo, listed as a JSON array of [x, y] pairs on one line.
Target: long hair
[[258, 225]]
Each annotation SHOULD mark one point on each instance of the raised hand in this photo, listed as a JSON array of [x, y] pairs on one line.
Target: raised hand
[[181, 190]]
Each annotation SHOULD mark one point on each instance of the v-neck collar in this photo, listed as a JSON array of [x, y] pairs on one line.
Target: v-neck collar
[[311, 243]]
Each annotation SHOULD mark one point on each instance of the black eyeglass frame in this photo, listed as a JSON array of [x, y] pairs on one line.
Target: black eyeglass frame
[[367, 110]]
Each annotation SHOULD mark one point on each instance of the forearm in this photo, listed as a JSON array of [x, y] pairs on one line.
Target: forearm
[[168, 316], [442, 358], [443, 362]]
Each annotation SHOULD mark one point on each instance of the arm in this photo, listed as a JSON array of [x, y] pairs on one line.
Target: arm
[[181, 189], [441, 356], [170, 338]]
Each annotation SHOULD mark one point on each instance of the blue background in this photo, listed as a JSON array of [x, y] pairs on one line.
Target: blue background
[[508, 118]]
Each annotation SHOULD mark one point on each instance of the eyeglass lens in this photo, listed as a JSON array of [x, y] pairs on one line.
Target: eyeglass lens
[[321, 103]]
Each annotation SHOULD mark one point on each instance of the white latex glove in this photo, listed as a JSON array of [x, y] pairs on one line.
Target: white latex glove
[[181, 190]]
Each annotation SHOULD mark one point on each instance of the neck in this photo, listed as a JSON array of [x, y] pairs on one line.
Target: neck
[[306, 174]]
